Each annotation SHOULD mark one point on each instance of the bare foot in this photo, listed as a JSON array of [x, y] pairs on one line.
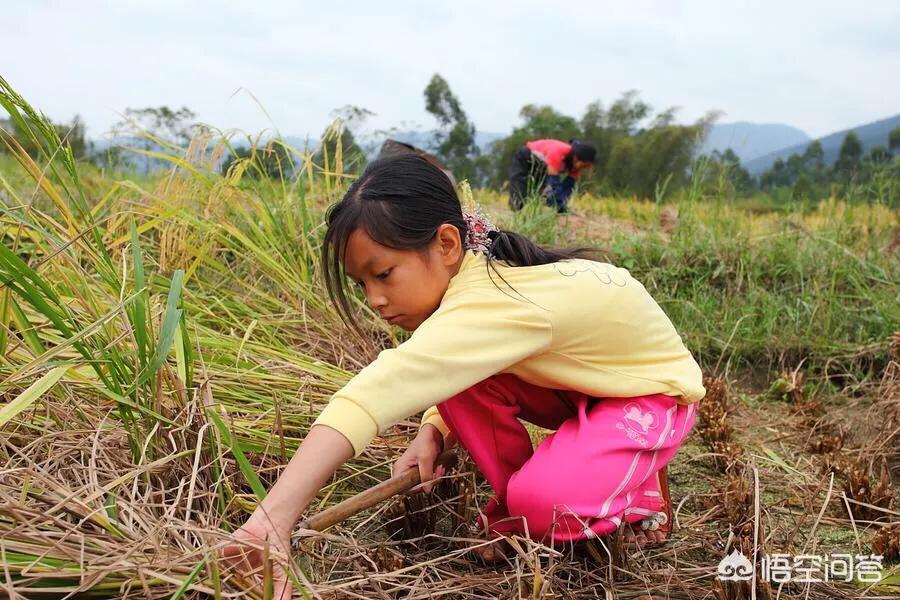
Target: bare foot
[[654, 529], [635, 534], [491, 553]]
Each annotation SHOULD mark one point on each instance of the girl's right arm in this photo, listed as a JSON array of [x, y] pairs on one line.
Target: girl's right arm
[[320, 454]]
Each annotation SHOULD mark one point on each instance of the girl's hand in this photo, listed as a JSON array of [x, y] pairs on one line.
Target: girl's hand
[[422, 453], [249, 561], [320, 453]]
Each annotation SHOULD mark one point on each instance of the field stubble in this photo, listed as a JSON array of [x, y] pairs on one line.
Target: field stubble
[[165, 343]]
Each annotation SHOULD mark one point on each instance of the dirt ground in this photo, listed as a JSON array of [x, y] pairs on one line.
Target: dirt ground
[[828, 479]]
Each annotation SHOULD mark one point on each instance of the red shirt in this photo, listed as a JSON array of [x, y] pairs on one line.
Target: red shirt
[[553, 153]]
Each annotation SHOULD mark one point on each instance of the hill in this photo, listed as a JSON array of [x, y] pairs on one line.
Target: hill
[[752, 140], [423, 139], [871, 135]]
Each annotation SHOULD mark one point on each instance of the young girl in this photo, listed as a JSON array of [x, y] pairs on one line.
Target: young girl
[[503, 330], [537, 166]]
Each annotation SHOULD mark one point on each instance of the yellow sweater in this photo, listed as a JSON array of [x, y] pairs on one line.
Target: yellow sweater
[[573, 325]]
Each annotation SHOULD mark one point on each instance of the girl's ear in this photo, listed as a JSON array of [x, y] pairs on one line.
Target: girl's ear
[[449, 244]]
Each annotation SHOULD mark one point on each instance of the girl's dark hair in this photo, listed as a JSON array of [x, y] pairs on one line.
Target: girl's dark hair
[[400, 202]]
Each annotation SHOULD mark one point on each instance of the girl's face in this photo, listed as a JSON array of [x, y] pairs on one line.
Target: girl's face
[[404, 286]]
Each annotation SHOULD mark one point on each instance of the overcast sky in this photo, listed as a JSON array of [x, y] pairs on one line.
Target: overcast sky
[[821, 66]]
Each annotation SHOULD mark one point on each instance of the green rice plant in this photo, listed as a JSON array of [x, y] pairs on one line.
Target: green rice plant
[[752, 290]]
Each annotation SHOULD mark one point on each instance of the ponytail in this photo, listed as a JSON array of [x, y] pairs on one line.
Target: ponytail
[[519, 251]]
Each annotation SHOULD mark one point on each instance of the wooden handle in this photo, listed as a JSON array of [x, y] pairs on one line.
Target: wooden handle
[[372, 496]]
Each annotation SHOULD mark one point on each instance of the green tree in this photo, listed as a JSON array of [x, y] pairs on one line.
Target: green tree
[[814, 163], [814, 155], [153, 129], [618, 172], [803, 188], [72, 133], [737, 174], [454, 141], [629, 111], [894, 140], [795, 165], [636, 151], [805, 176], [606, 128], [593, 127], [339, 150], [776, 176], [722, 174], [168, 125], [848, 158], [809, 166], [878, 155], [270, 161], [664, 151]]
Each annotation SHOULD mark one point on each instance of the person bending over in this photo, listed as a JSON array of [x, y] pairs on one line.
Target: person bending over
[[549, 168]]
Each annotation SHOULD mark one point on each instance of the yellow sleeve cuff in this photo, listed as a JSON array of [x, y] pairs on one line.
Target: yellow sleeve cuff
[[433, 417], [350, 420]]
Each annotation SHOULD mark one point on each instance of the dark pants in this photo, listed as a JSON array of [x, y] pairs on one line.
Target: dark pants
[[526, 177]]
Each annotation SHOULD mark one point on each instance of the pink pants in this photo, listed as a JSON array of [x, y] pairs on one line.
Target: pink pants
[[595, 471]]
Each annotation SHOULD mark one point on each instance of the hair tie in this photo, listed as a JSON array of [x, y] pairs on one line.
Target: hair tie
[[478, 230]]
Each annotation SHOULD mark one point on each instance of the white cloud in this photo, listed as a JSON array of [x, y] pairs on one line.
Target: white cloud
[[820, 66]]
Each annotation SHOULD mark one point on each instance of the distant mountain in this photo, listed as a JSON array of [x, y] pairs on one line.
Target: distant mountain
[[423, 139], [871, 135], [371, 144], [751, 140]]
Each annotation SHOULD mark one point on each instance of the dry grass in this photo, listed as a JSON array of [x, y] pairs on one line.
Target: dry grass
[[77, 514], [165, 344]]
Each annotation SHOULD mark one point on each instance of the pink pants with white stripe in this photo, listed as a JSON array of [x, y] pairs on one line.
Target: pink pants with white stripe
[[598, 468]]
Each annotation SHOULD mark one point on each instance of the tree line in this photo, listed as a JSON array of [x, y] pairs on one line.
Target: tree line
[[639, 152], [807, 176], [647, 155]]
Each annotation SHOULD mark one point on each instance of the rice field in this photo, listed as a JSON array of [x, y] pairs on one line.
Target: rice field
[[165, 342]]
